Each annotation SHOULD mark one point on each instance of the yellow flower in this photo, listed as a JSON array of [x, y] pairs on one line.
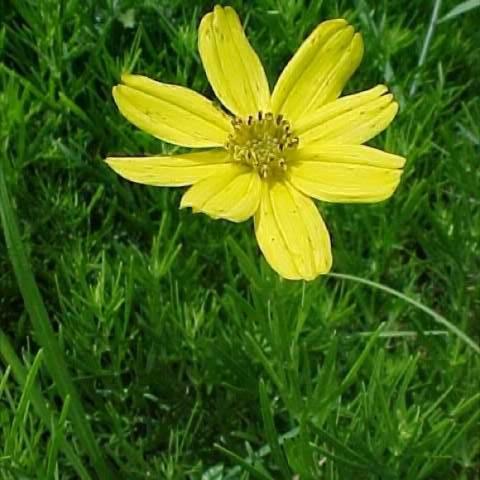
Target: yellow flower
[[273, 151]]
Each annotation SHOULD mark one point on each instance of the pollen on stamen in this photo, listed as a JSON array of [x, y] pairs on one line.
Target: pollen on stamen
[[261, 141]]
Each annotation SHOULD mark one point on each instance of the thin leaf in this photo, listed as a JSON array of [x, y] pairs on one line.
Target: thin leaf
[[246, 465], [271, 431], [460, 9], [437, 317], [40, 405], [54, 358]]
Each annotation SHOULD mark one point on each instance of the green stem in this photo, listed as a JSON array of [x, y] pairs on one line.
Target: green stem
[[45, 334], [436, 316]]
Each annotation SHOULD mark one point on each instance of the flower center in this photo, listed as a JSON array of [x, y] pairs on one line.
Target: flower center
[[261, 142]]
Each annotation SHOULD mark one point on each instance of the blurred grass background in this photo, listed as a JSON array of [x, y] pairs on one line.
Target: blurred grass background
[[177, 352]]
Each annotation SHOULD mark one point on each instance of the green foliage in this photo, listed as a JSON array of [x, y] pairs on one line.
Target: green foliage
[[174, 342]]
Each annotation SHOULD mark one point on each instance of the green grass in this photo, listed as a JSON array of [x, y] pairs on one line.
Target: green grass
[[138, 341]]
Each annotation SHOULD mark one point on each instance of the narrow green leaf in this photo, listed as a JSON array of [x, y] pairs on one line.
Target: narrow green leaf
[[5, 377], [246, 465], [23, 404], [40, 405], [437, 317], [351, 375], [45, 334], [245, 262], [257, 350], [460, 9], [271, 432], [349, 456], [58, 429]]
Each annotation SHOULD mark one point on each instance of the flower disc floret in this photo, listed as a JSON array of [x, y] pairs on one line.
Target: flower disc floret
[[261, 142]]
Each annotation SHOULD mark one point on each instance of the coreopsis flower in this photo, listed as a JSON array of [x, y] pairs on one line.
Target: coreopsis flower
[[268, 153]]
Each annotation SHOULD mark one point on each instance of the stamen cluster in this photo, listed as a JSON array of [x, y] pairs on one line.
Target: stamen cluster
[[261, 142]]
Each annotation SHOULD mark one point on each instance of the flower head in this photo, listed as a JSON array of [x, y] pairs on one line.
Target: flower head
[[273, 151]]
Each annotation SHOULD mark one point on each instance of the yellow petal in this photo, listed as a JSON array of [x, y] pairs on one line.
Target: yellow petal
[[232, 66], [171, 171], [353, 119], [345, 173], [233, 194], [291, 233], [171, 113], [319, 70], [353, 154]]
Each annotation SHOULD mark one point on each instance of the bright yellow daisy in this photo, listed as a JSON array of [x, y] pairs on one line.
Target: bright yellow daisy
[[273, 151]]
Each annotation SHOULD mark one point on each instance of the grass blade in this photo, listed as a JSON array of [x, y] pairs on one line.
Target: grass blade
[[45, 334], [352, 373], [24, 403], [40, 405], [437, 317], [460, 9], [426, 42], [271, 432], [246, 465]]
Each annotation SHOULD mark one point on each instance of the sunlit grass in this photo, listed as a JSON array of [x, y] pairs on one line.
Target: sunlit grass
[[191, 358]]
